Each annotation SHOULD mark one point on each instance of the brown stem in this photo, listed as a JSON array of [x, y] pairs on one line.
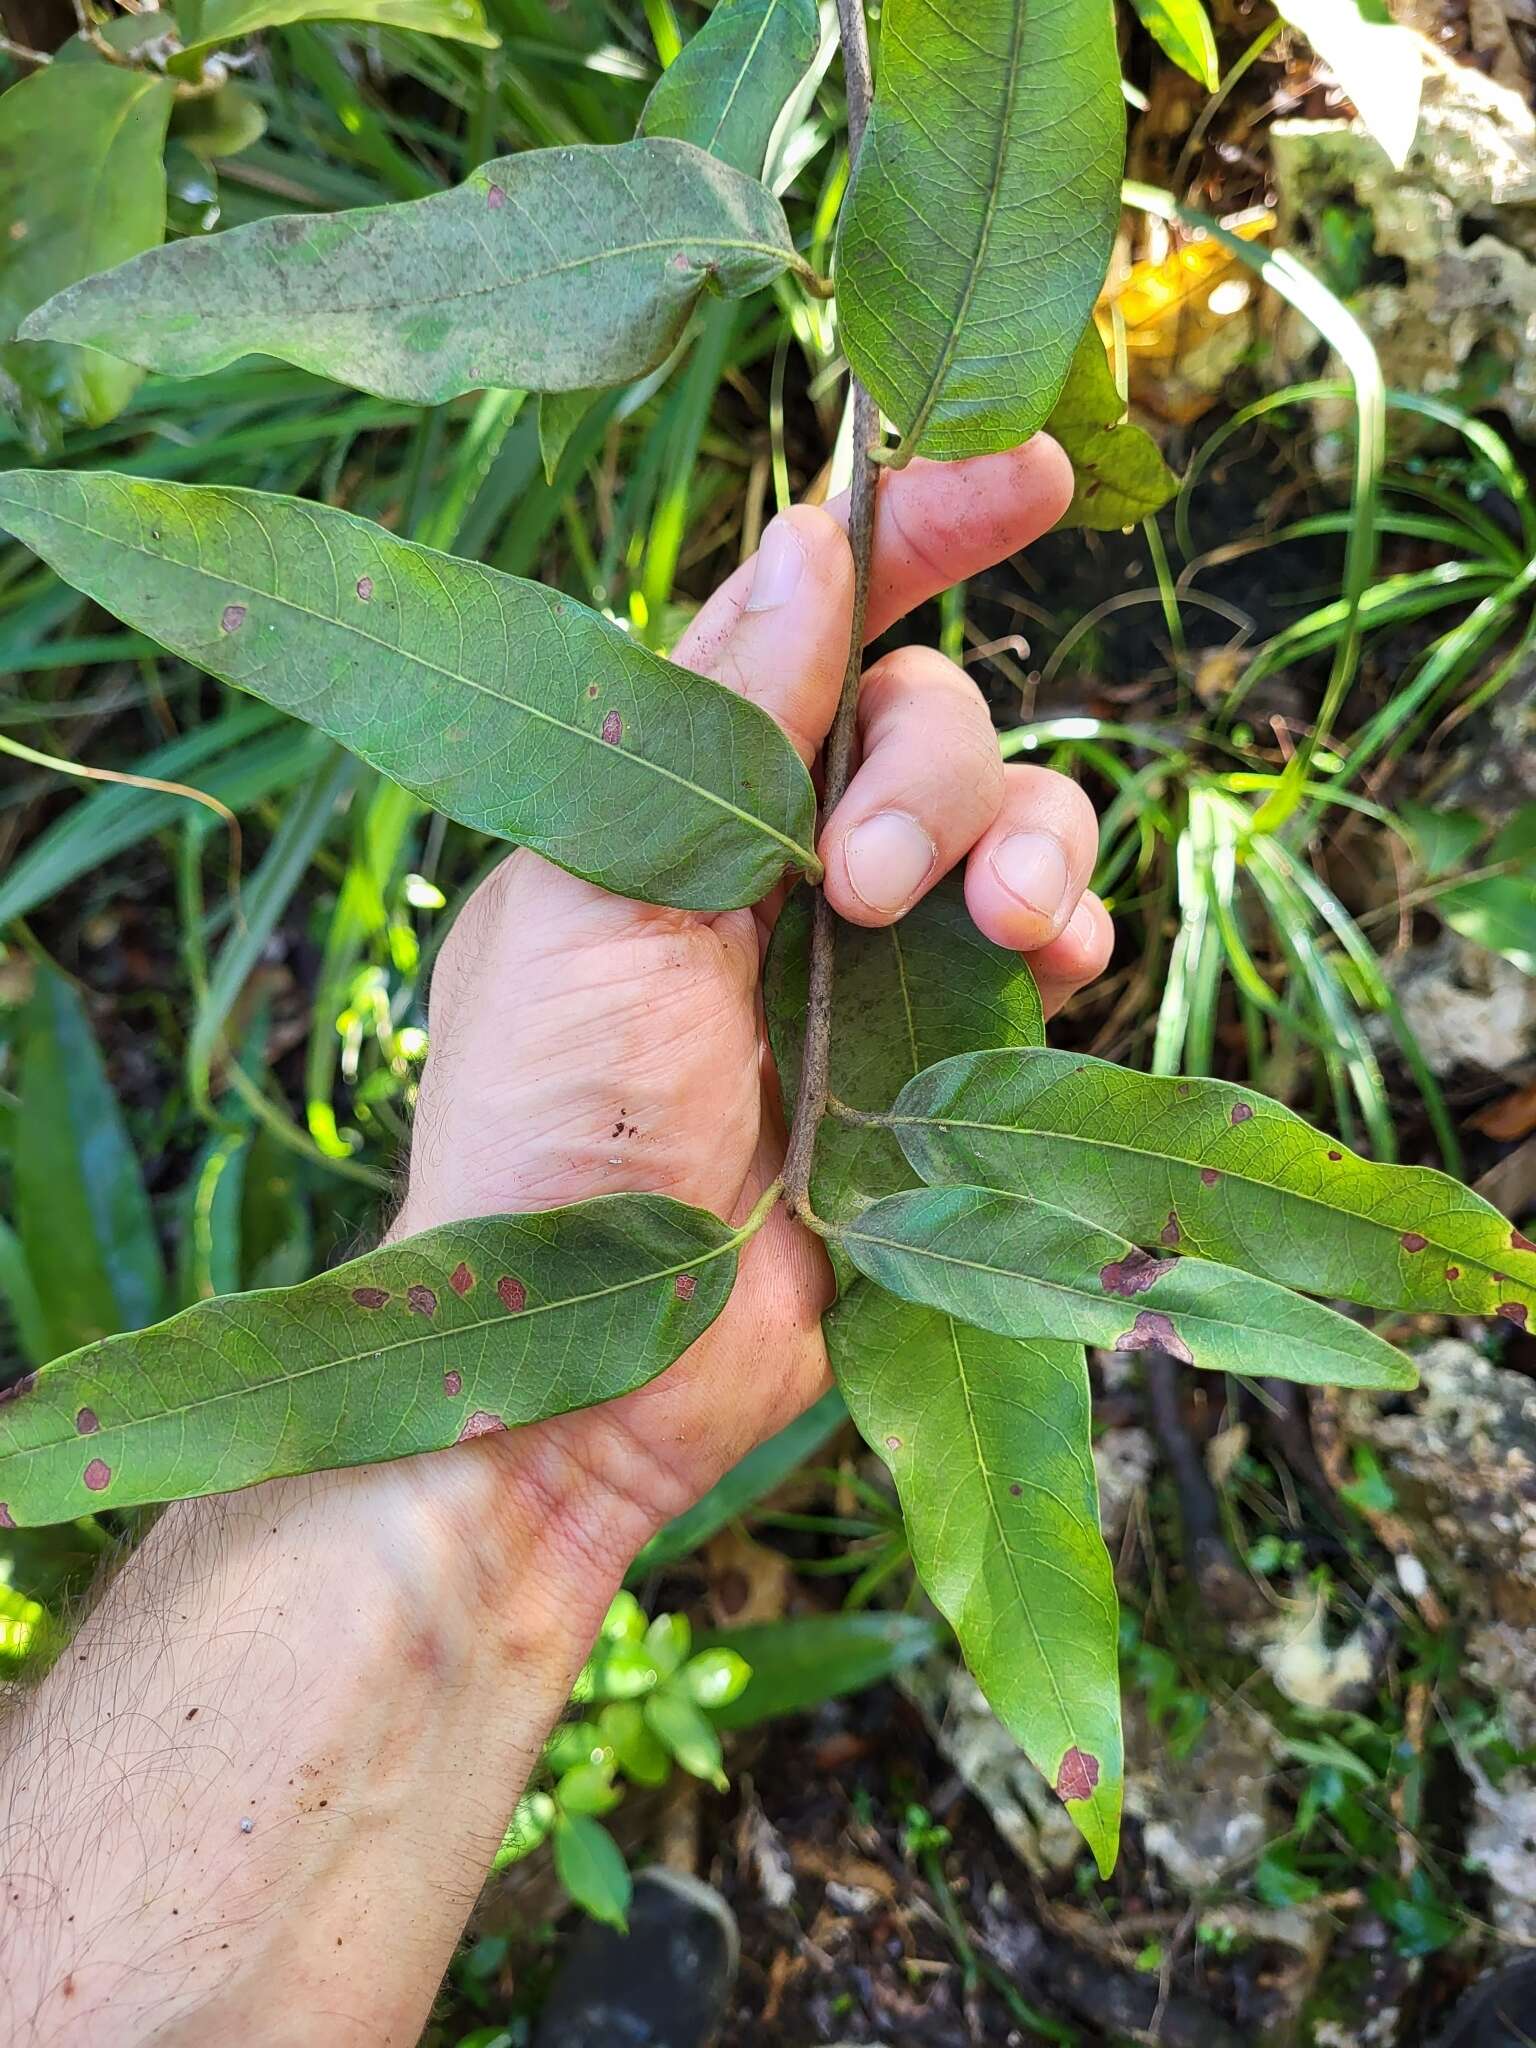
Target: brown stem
[[811, 1100]]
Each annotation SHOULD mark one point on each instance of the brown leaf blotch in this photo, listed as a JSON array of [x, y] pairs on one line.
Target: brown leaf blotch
[[1183, 1090], [495, 198], [480, 1424], [17, 1388], [1153, 1331], [453, 1383], [1016, 1490], [1209, 1175], [1241, 1112], [370, 1297], [1078, 1776], [232, 618], [893, 1443], [1170, 1231], [422, 1300], [1520, 1243], [1514, 1312], [514, 1295], [461, 1279], [87, 1422], [613, 729], [1133, 1274], [5, 1517], [1453, 1272], [1335, 1157], [1412, 1242], [97, 1476], [685, 1287], [365, 588]]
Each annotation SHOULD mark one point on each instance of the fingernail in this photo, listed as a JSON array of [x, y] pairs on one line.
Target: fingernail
[[888, 859], [1082, 924], [780, 565], [1033, 869]]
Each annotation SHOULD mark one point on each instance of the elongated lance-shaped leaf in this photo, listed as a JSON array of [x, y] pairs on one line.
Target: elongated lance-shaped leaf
[[501, 703], [730, 84], [978, 227], [457, 1333], [955, 1411], [988, 1439], [555, 270], [1218, 1171], [207, 23], [82, 186], [1118, 472], [1023, 1268]]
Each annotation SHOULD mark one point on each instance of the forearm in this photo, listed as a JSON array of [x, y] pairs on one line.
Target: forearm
[[256, 1798]]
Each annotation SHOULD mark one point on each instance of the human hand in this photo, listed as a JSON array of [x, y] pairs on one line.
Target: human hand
[[583, 1045]]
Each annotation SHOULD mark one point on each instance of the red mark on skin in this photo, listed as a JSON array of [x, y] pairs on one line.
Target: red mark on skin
[[1335, 1157], [1152, 1331], [1412, 1242], [422, 1299], [1513, 1312], [1209, 1175], [1170, 1231], [97, 1476], [480, 1424], [17, 1388], [370, 1297], [1241, 1112], [453, 1383], [514, 1295], [5, 1517], [365, 588], [495, 198], [685, 1287], [232, 618], [1133, 1274], [613, 729], [1078, 1776], [1453, 1272], [1517, 1243], [461, 1279], [86, 1423]]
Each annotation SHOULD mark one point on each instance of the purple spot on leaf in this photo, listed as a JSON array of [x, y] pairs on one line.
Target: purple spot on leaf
[[1335, 1157], [5, 1517], [98, 1476], [480, 1424], [1133, 1274], [613, 729], [514, 1295], [461, 1279], [422, 1300], [1514, 1312], [453, 1383], [1016, 1490], [370, 1297], [1183, 1089], [1078, 1776], [1170, 1230], [1241, 1112], [86, 1423], [17, 1388], [1519, 1243], [685, 1287], [893, 1443], [495, 198], [233, 617], [1453, 1272], [1153, 1331], [365, 588], [1412, 1242], [1209, 1175]]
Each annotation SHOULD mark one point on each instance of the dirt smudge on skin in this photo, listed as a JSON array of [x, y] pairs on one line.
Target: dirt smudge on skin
[[1078, 1776], [1153, 1331], [97, 1476], [1133, 1274], [514, 1295]]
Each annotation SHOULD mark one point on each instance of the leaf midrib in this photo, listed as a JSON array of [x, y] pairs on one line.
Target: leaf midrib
[[112, 1431], [1248, 1180], [803, 858]]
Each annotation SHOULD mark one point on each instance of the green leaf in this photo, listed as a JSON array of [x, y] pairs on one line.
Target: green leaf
[[1183, 29], [988, 1440], [979, 223], [588, 1788], [560, 414], [83, 1218], [677, 1724], [1499, 912], [1377, 62], [640, 1755], [726, 90], [21, 1300], [456, 1333], [1220, 1172], [796, 1664], [502, 703], [81, 189], [219, 124], [1019, 1266], [207, 23], [588, 1863], [1442, 839], [556, 270], [1119, 475]]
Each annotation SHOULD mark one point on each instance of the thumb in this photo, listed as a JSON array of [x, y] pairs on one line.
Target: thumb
[[777, 630]]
